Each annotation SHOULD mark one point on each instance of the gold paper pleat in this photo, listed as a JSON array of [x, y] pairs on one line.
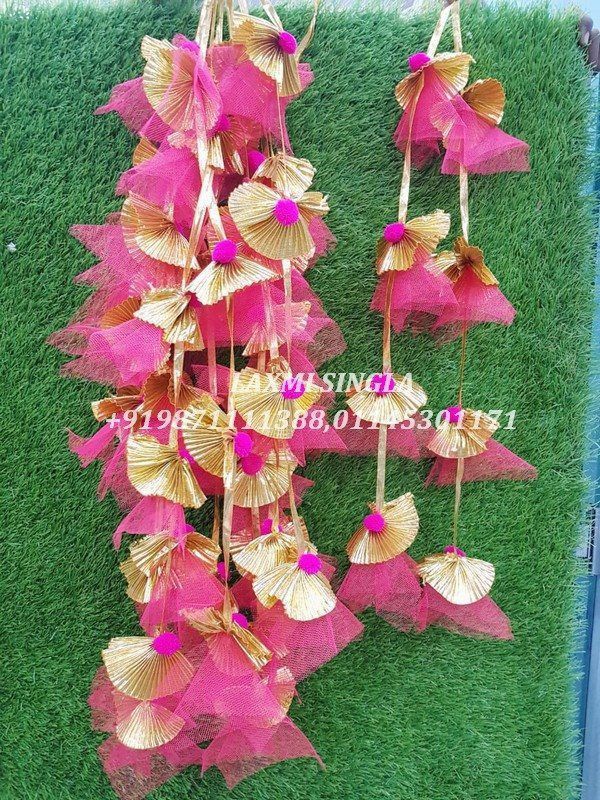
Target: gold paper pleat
[[148, 228], [464, 439], [465, 256], [217, 281], [304, 597], [252, 208], [292, 176], [459, 579], [172, 99], [266, 552], [452, 72], [268, 485], [261, 41], [158, 469], [123, 312], [144, 151], [148, 726], [399, 532], [421, 236], [139, 585], [136, 669], [486, 98], [212, 624], [391, 408], [168, 308], [206, 434], [126, 399], [258, 399]]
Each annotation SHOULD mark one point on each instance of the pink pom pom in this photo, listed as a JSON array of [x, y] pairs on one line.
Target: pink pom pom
[[374, 523], [224, 251], [255, 159], [453, 414], [240, 619], [251, 464], [166, 643], [309, 563], [242, 444], [286, 212], [221, 570], [287, 43], [266, 526], [223, 124], [292, 389], [456, 550], [418, 61], [382, 383], [394, 232]]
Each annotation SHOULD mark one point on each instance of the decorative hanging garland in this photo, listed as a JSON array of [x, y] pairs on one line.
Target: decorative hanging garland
[[446, 293]]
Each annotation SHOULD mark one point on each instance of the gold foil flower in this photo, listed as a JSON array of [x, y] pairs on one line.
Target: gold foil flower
[[271, 223], [123, 312], [292, 176], [173, 101], [158, 469], [137, 668], [385, 533], [450, 69], [145, 725], [209, 439], [266, 552], [270, 402], [213, 624], [465, 256], [386, 399], [403, 244], [486, 98], [144, 151], [271, 49], [149, 228], [126, 399], [459, 579], [260, 480], [301, 587], [462, 433], [169, 308]]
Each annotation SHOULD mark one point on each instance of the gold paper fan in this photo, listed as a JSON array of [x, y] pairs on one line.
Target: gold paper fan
[[465, 438], [211, 623], [459, 579], [254, 206], [292, 176], [159, 390], [158, 469], [451, 71], [465, 256], [207, 435], [173, 100], [260, 399], [391, 408], [126, 399], [261, 40], [136, 669], [144, 151], [147, 726], [266, 552], [486, 98], [148, 228], [304, 596], [120, 313], [410, 242], [139, 586], [224, 144], [270, 482], [261, 339], [217, 280], [169, 308], [401, 525]]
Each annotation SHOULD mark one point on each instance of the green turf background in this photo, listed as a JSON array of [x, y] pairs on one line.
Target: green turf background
[[433, 716]]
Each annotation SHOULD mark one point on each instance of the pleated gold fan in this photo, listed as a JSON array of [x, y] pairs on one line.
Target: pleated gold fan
[[465, 438], [136, 669], [450, 70], [404, 244], [459, 579], [144, 151], [224, 144], [158, 469], [465, 256], [212, 624], [305, 595], [158, 390], [486, 97], [219, 280], [169, 308], [386, 533], [266, 552], [208, 437], [120, 313], [387, 399], [126, 399], [148, 228], [270, 402], [292, 176], [271, 223], [147, 725], [271, 49], [262, 480]]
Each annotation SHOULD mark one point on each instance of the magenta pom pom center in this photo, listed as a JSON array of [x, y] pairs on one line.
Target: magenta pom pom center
[[223, 124], [374, 523], [240, 619], [266, 526], [286, 212], [394, 232], [252, 464], [453, 414], [255, 159], [456, 550], [287, 43], [166, 643], [382, 383], [309, 563], [242, 444], [417, 61], [292, 389], [221, 570], [224, 251]]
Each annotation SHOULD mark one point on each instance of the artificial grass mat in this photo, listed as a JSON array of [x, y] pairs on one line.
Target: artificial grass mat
[[434, 716]]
